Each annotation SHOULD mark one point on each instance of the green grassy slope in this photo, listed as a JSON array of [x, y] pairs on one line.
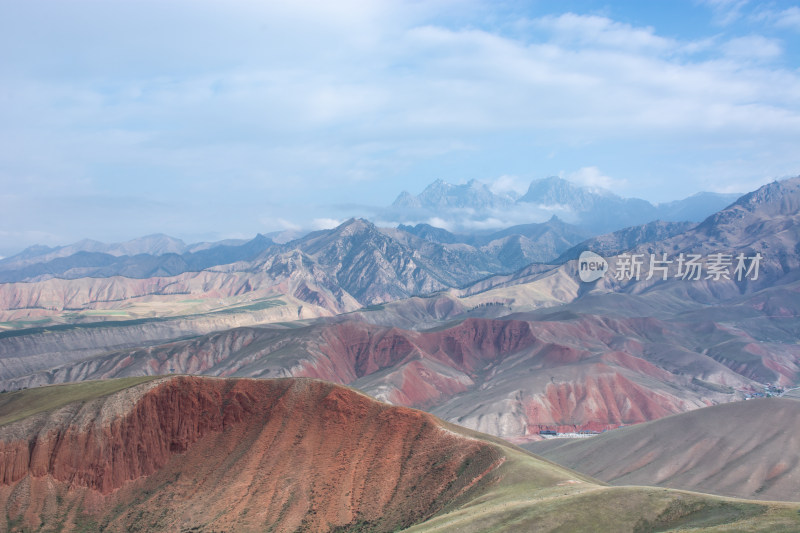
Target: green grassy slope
[[530, 493], [24, 403]]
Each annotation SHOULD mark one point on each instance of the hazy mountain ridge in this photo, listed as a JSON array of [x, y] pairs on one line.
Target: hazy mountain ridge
[[506, 250], [513, 247], [502, 251], [626, 239], [594, 210], [440, 194], [155, 244], [763, 222], [77, 261]]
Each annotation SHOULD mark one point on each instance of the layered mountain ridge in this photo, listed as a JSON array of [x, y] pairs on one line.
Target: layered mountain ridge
[[511, 378], [508, 354], [200, 407]]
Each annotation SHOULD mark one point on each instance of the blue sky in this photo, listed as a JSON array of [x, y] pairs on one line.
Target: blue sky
[[207, 120]]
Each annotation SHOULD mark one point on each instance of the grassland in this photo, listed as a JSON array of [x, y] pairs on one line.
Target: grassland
[[533, 494], [24, 403], [32, 327]]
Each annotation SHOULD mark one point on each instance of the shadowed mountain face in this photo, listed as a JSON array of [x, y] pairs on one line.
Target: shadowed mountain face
[[625, 239], [200, 454], [745, 449], [764, 222], [513, 247]]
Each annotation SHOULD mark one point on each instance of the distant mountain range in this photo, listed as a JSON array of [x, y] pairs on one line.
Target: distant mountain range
[[477, 255], [402, 307], [151, 256], [592, 209], [497, 251]]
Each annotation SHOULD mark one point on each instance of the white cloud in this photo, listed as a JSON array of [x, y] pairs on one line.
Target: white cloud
[[725, 12], [325, 223], [285, 224], [788, 18], [241, 104], [752, 47], [591, 30], [438, 222], [593, 177], [509, 186]]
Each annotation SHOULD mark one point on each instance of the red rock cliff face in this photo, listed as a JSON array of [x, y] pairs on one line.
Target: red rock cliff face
[[353, 349], [235, 455]]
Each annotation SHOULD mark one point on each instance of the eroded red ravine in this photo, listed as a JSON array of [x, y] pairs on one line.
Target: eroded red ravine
[[602, 401]]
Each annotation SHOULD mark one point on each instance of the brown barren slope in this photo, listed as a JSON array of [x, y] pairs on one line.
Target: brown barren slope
[[209, 454], [745, 449]]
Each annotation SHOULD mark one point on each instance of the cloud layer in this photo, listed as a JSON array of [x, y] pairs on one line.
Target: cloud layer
[[206, 119]]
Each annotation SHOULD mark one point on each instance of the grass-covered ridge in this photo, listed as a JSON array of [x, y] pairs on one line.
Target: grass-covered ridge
[[533, 495], [19, 328], [21, 404]]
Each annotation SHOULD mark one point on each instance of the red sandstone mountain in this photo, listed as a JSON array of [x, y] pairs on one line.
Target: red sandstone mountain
[[177, 453], [201, 454], [509, 378]]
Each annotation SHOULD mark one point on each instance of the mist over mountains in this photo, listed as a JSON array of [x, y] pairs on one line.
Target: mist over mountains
[[474, 206]]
